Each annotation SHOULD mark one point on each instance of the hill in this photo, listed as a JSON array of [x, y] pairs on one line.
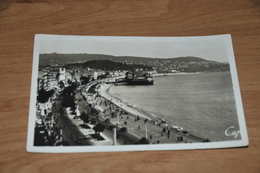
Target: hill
[[161, 65], [47, 59], [108, 65]]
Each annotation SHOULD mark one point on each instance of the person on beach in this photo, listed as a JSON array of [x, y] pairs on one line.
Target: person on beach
[[164, 130]]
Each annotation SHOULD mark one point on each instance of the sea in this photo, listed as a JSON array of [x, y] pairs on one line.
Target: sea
[[202, 104]]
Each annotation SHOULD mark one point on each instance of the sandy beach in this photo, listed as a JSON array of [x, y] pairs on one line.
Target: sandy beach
[[137, 122], [104, 91]]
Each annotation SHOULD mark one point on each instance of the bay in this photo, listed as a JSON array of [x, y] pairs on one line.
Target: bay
[[203, 103]]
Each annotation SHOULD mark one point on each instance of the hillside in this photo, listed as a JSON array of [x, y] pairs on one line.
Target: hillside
[[161, 65], [108, 65], [47, 59]]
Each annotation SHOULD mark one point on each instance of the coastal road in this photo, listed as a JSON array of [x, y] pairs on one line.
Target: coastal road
[[70, 132], [82, 104], [135, 129]]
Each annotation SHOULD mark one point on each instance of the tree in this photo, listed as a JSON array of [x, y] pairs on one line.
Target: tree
[[99, 128], [61, 84], [84, 117], [43, 96], [84, 80], [69, 101]]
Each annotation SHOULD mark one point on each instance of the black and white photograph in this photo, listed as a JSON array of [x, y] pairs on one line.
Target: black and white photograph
[[112, 93]]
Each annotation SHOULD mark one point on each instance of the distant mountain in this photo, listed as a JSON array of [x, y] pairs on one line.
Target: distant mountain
[[47, 59], [162, 65]]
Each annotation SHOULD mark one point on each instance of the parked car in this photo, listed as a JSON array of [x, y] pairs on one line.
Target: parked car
[[143, 141], [123, 129]]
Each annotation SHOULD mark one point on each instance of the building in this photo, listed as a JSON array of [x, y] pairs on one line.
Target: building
[[62, 74]]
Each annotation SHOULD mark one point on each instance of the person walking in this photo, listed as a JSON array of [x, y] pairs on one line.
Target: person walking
[[169, 134]]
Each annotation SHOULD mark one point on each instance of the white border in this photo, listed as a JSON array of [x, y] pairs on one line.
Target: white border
[[72, 149]]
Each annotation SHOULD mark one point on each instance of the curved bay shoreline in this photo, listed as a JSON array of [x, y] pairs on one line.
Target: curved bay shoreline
[[157, 125], [132, 109], [104, 92]]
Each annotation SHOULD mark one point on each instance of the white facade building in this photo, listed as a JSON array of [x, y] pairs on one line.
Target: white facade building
[[62, 73]]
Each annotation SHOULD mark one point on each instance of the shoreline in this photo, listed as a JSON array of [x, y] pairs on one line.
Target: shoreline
[[174, 74], [135, 111], [157, 125], [186, 73], [104, 92]]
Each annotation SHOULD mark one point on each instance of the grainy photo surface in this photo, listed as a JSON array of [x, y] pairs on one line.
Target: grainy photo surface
[[93, 94]]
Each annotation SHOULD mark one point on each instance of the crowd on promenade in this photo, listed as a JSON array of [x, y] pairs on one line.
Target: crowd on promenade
[[97, 104], [113, 110]]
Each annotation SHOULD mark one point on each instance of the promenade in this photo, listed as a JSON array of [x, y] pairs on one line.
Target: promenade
[[83, 107], [131, 124], [137, 123]]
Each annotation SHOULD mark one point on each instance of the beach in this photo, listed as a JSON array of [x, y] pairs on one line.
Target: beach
[[104, 92], [136, 122], [178, 109], [202, 104]]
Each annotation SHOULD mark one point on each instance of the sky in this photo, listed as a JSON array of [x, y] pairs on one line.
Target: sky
[[216, 48]]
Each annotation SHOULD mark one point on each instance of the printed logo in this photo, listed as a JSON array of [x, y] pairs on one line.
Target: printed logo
[[232, 132]]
